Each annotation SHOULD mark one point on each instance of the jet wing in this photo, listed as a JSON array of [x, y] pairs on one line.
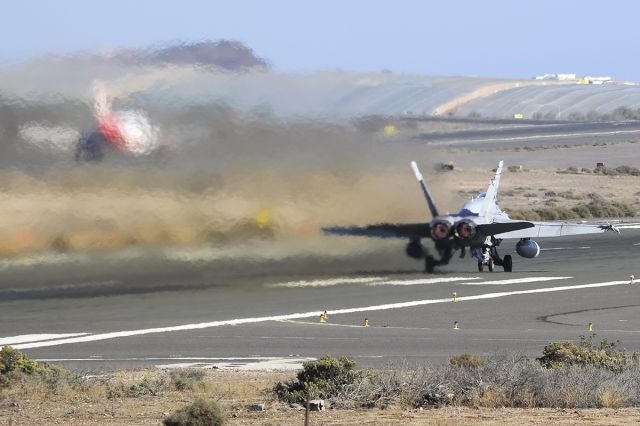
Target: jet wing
[[557, 229], [384, 230], [501, 228]]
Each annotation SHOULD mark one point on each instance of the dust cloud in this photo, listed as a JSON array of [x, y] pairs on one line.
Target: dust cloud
[[217, 175]]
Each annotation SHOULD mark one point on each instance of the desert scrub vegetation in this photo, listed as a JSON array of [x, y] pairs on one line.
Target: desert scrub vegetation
[[568, 375], [27, 386], [593, 209], [15, 368], [607, 171], [201, 413], [187, 378], [144, 387], [327, 378], [581, 374], [467, 360], [586, 353]]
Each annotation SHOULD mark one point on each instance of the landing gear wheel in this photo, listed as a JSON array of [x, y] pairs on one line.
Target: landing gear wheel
[[429, 264], [490, 265], [507, 263], [480, 266]]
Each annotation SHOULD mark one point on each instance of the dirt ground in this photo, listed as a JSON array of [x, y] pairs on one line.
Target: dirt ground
[[236, 391]]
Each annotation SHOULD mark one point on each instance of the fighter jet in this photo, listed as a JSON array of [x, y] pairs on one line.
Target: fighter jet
[[127, 132], [481, 226]]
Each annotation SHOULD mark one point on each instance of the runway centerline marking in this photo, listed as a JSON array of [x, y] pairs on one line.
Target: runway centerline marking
[[241, 321], [325, 283], [565, 248], [423, 281], [517, 281]]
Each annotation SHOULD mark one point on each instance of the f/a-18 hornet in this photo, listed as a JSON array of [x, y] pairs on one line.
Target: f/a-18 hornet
[[480, 225]]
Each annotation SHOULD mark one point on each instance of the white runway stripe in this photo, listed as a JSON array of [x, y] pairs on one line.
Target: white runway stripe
[[424, 281], [325, 283], [518, 138], [240, 321], [26, 338], [178, 358], [565, 248], [278, 364], [517, 281]]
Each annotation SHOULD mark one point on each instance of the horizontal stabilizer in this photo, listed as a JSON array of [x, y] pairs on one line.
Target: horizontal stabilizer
[[499, 228], [383, 230]]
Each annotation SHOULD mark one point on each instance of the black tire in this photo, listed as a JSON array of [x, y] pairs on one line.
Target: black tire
[[429, 264], [507, 263], [490, 265], [480, 266]]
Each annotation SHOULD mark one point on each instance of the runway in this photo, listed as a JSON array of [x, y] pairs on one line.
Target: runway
[[529, 134], [151, 311]]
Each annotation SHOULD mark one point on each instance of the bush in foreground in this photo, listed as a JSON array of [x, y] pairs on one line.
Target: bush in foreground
[[15, 366], [568, 375], [605, 355], [324, 378], [200, 413]]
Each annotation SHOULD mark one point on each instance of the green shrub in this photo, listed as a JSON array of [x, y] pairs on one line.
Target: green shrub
[[586, 353], [14, 363], [13, 360], [200, 413], [323, 378]]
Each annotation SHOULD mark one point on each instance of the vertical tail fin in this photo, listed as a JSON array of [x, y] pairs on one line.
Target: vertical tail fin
[[425, 190], [491, 196]]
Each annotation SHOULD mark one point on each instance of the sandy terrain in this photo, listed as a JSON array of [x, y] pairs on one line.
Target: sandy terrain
[[236, 391]]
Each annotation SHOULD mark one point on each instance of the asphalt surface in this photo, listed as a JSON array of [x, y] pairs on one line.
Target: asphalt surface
[[562, 133], [116, 310], [158, 307]]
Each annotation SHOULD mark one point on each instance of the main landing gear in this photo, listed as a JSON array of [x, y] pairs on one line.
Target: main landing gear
[[430, 262], [489, 256]]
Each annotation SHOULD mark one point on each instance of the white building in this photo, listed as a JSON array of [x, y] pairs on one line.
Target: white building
[[555, 77]]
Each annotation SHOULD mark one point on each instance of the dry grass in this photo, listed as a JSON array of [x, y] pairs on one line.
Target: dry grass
[[498, 382], [612, 399], [236, 390], [117, 398]]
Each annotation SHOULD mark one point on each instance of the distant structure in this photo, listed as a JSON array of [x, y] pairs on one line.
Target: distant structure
[[562, 77], [572, 77], [595, 80]]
